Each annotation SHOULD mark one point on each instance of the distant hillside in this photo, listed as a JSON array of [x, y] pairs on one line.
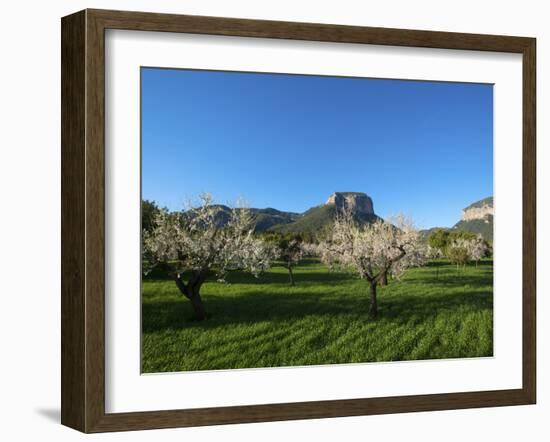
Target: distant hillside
[[319, 217], [263, 218], [478, 218], [267, 218], [311, 221], [483, 226], [424, 234], [485, 202]]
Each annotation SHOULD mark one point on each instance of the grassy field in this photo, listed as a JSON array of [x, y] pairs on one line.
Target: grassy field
[[323, 319]]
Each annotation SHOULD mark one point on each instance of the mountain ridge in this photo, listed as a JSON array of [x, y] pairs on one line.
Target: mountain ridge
[[476, 218]]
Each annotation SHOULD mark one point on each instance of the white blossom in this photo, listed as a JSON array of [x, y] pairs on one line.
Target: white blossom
[[291, 252], [370, 250], [433, 252], [477, 248], [193, 240], [310, 249]]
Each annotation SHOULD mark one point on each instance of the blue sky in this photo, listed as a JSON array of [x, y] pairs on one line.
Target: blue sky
[[288, 141]]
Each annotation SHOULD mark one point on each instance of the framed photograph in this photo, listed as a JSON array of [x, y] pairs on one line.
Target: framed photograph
[[268, 220]]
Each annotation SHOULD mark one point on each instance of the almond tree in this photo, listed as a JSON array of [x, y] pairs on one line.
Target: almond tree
[[290, 252], [457, 252], [437, 244], [193, 242], [434, 253], [477, 248], [374, 250], [326, 253], [310, 249]]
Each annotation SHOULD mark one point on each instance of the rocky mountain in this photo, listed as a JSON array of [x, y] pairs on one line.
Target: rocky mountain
[[357, 201], [481, 209], [312, 220], [478, 218], [318, 217]]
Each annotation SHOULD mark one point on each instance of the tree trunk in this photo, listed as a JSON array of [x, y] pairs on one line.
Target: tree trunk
[[290, 275], [373, 310], [384, 279], [191, 291], [198, 307]]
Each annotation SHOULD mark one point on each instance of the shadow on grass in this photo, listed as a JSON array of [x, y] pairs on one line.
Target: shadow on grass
[[280, 276], [162, 271], [469, 291], [485, 262], [258, 307], [451, 280]]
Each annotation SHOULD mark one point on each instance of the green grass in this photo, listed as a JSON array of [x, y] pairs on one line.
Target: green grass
[[323, 319]]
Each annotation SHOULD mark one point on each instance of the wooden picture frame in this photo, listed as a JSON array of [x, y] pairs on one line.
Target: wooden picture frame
[[83, 219]]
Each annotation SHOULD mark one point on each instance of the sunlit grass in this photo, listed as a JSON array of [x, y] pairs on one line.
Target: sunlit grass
[[323, 319]]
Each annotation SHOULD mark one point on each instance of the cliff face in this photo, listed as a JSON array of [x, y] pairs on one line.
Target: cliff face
[[478, 218], [316, 218], [481, 210], [359, 202]]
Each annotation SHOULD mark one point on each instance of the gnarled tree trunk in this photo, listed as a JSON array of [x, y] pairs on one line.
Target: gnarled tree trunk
[[198, 307], [191, 291], [373, 309], [291, 275], [384, 279]]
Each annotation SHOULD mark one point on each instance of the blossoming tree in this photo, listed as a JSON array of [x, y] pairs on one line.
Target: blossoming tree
[[287, 249], [477, 248], [458, 253], [374, 250], [290, 253], [432, 254], [194, 243], [464, 249]]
